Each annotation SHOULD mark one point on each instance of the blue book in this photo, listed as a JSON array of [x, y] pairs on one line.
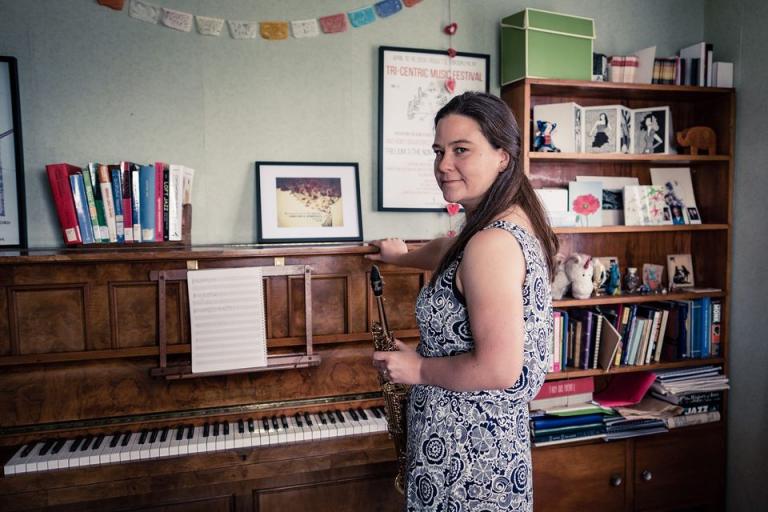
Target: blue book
[[81, 208], [695, 333], [564, 353], [628, 333], [705, 326], [117, 197], [147, 202], [683, 351], [566, 421]]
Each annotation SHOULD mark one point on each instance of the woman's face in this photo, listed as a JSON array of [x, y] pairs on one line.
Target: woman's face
[[603, 118], [466, 165]]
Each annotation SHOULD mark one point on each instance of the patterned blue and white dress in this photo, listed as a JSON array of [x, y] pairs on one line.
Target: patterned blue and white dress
[[470, 451]]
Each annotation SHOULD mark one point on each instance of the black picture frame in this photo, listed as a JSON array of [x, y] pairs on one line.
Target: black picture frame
[[430, 92], [297, 199], [13, 221]]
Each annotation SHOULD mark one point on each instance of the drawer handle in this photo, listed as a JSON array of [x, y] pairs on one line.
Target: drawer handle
[[647, 475], [616, 480]]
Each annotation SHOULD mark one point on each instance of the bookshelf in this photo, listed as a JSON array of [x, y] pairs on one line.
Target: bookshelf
[[634, 474]]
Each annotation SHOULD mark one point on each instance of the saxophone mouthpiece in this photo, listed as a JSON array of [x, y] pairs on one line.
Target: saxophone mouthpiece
[[377, 284]]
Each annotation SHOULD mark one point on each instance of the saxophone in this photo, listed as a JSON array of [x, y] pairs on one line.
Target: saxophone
[[395, 395]]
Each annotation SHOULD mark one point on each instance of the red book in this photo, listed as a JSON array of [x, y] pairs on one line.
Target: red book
[[556, 388], [125, 196], [58, 176], [159, 172]]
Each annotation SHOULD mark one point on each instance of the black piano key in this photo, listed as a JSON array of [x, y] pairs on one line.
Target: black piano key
[[274, 423], [153, 435], [115, 439], [143, 436], [215, 428], [340, 416], [331, 417], [58, 446], [251, 426], [226, 428], [164, 434], [322, 417], [354, 415], [180, 432], [297, 417], [27, 449], [190, 431], [46, 446], [240, 426], [308, 419], [376, 412], [362, 414], [206, 429], [284, 421], [99, 440], [126, 438], [265, 424], [75, 444], [86, 443]]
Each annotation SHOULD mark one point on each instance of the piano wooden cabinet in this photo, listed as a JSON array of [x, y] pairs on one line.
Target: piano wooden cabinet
[[80, 337]]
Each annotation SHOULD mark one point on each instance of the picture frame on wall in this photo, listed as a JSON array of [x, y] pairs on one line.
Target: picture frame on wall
[[413, 85], [306, 202], [13, 231]]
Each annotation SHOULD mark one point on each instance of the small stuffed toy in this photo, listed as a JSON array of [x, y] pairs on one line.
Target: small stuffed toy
[[561, 282], [579, 270]]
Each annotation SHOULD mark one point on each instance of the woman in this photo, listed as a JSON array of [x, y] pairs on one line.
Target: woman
[[485, 320], [649, 135], [601, 131]]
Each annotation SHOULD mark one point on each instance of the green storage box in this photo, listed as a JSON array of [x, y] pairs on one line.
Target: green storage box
[[543, 44]]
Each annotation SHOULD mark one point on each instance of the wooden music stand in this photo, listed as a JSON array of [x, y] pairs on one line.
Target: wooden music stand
[[274, 362]]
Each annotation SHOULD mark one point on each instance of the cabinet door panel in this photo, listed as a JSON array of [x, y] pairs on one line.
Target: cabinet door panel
[[585, 477], [680, 470]]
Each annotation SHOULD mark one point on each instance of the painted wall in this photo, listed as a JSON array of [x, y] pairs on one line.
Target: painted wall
[[736, 28], [97, 85]]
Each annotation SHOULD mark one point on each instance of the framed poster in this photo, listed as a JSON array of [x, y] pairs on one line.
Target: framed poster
[[413, 86], [308, 202], [13, 231]]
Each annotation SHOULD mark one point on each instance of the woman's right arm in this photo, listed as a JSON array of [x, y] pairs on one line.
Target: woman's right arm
[[395, 251]]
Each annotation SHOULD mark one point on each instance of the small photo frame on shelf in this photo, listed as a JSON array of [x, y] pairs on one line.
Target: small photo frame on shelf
[[308, 202], [652, 275], [651, 129], [678, 193], [13, 231], [680, 271]]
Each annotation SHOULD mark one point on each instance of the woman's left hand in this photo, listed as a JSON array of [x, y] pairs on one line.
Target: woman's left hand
[[402, 366]]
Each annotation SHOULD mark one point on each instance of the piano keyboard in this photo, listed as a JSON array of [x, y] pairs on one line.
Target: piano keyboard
[[181, 440]]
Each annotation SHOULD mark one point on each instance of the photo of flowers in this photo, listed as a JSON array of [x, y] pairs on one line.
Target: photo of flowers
[[585, 200]]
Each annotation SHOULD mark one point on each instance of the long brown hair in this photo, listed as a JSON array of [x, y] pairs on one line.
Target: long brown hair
[[511, 187]]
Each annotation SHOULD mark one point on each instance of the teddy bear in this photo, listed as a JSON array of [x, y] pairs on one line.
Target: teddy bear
[[579, 270]]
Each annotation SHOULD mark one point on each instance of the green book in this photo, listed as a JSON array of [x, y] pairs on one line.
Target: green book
[[97, 200], [91, 204]]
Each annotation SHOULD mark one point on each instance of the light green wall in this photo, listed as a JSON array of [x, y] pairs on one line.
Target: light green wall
[[99, 85], [737, 30]]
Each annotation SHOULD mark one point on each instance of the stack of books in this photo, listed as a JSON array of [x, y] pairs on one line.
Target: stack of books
[[550, 429], [618, 427], [699, 391], [121, 203]]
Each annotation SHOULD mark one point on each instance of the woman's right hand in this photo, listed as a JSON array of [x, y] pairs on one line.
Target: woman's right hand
[[390, 249]]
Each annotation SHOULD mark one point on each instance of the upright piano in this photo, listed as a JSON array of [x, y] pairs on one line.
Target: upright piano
[[88, 422]]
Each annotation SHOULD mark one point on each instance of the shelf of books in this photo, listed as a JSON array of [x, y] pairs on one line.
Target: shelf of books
[[637, 181]]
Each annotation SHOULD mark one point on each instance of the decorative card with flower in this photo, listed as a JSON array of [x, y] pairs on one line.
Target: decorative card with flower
[[585, 200]]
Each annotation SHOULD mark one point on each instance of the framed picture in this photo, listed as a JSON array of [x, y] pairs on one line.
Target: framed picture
[[413, 86], [652, 276], [13, 231], [308, 202], [680, 271], [651, 129]]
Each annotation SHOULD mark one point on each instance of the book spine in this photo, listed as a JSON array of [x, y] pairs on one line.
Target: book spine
[[598, 319], [568, 436], [136, 203], [64, 203], [717, 308], [89, 198], [159, 168], [175, 190], [166, 203], [81, 207], [705, 327], [117, 197], [566, 387], [147, 178], [125, 187], [93, 170], [109, 201], [692, 419], [586, 344]]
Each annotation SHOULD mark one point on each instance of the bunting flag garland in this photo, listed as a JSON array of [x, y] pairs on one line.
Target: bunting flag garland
[[270, 30]]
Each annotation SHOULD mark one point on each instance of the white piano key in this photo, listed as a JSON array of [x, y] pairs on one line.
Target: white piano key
[[164, 446], [197, 443], [17, 463]]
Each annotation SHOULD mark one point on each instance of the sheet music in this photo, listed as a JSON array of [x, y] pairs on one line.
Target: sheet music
[[226, 312]]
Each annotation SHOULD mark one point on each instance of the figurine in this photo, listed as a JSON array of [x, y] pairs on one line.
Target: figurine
[[698, 137], [614, 280], [631, 280], [560, 283], [599, 276], [579, 270], [542, 139]]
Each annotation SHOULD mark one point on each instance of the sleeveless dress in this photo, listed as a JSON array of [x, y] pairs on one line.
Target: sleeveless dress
[[470, 451]]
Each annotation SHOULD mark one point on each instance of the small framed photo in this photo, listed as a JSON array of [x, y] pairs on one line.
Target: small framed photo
[[13, 231], [651, 129], [308, 202], [680, 271], [607, 129], [652, 276]]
